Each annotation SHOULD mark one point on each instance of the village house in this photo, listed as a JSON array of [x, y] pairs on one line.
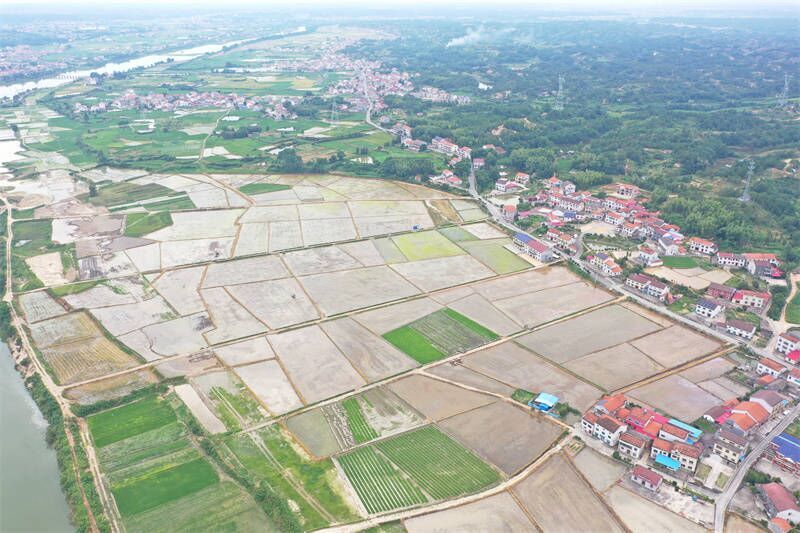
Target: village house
[[615, 219], [522, 178], [505, 185], [533, 247], [792, 357], [771, 401], [561, 239], [721, 292], [552, 182], [763, 265], [630, 230], [648, 256], [443, 146], [567, 187], [627, 190], [646, 478], [794, 377], [675, 455], [746, 416], [784, 452], [401, 130], [671, 433], [779, 525], [787, 342], [648, 285], [747, 298], [606, 265], [414, 145], [567, 203], [729, 445], [730, 260], [632, 444], [707, 308], [509, 212], [703, 246], [769, 366], [668, 246], [605, 428], [740, 328], [779, 502], [478, 163]]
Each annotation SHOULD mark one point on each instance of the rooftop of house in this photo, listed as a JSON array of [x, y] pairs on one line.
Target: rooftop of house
[[608, 423], [788, 446], [779, 496], [732, 437], [687, 450], [633, 439], [675, 431], [771, 363], [755, 410], [645, 473], [770, 397], [742, 325]]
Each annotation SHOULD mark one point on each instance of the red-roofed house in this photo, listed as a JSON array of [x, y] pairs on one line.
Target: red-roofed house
[[793, 357], [787, 342], [627, 190], [779, 502], [632, 444], [769, 366], [646, 478], [746, 416], [608, 405], [727, 259], [688, 456], [703, 246], [673, 433], [794, 377], [751, 298], [779, 525]]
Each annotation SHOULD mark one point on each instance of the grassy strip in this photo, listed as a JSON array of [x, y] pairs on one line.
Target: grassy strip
[[679, 262], [793, 309], [413, 343], [258, 188], [138, 224], [126, 193], [359, 427], [73, 288], [471, 324], [522, 396], [57, 439]]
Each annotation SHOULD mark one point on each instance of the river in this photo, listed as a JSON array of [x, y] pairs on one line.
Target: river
[[30, 493], [9, 91]]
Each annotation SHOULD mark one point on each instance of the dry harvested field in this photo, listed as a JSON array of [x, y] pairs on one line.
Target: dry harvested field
[[676, 345], [438, 273], [599, 470], [111, 388], [245, 352], [560, 500], [676, 396], [461, 374], [314, 364], [507, 436], [435, 399], [39, 306], [640, 514], [199, 410], [512, 364], [379, 321], [495, 513], [614, 367], [588, 333], [537, 307]]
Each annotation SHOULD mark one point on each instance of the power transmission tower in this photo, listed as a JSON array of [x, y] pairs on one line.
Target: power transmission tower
[[334, 111], [783, 97], [559, 105], [751, 166]]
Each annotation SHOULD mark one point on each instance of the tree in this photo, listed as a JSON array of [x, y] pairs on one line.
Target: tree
[[289, 161], [92, 190]]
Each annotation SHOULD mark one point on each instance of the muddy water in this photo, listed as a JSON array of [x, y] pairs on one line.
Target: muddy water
[[30, 494]]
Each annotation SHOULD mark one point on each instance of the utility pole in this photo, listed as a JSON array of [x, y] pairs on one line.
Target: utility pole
[[751, 166], [334, 111], [559, 105]]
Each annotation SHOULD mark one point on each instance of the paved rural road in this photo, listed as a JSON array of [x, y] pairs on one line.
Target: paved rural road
[[725, 498]]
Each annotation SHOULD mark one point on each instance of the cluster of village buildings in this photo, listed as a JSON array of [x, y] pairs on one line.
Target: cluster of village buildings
[[661, 447], [273, 106]]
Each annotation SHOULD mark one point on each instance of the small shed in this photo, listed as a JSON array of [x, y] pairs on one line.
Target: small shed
[[544, 402]]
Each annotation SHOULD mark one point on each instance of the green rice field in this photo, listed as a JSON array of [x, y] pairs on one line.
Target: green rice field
[[138, 224], [259, 188], [439, 334], [134, 418], [359, 427], [426, 245]]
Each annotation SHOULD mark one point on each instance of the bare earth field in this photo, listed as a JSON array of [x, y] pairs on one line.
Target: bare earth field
[[641, 515], [542, 306], [437, 400], [601, 471], [518, 367], [269, 384], [312, 430], [496, 513], [461, 374], [560, 500], [677, 396], [676, 345], [517, 436], [614, 367]]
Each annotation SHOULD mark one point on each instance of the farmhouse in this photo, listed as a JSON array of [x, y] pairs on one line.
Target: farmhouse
[[544, 402], [615, 219], [707, 308], [722, 292], [632, 444], [627, 190], [648, 256], [646, 478], [770, 400], [630, 230], [567, 187], [444, 146], [522, 178], [533, 247], [668, 246], [746, 416], [740, 328], [784, 452], [787, 342], [561, 239], [675, 455], [769, 366], [729, 445], [755, 299], [504, 185], [703, 246], [509, 212], [794, 377], [603, 427], [779, 502], [730, 260], [648, 285]]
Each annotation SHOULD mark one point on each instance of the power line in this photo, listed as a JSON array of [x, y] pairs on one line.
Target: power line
[[783, 97]]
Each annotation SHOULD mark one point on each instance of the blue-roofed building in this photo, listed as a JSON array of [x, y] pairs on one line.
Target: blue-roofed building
[[668, 462], [694, 433], [784, 452], [544, 402], [521, 239]]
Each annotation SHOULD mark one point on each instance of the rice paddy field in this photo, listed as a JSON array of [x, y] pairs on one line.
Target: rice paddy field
[[400, 472]]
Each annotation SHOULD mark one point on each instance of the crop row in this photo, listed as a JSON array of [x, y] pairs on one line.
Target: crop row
[[379, 486], [359, 427], [442, 467]]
